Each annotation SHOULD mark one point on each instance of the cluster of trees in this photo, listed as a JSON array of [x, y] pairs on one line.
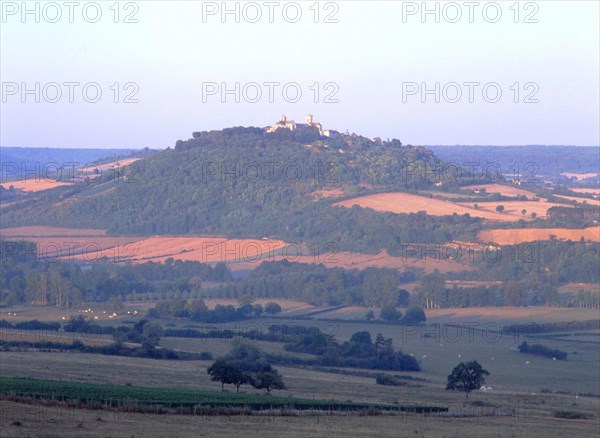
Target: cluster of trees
[[533, 283], [33, 324], [587, 299], [114, 349], [466, 377], [389, 313], [245, 365], [29, 279], [318, 285], [542, 350], [547, 262], [432, 293], [360, 351], [143, 332], [199, 311], [528, 282], [560, 326], [388, 380]]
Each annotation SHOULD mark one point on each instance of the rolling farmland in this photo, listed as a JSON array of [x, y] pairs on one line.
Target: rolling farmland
[[516, 236], [502, 189], [408, 203], [35, 185]]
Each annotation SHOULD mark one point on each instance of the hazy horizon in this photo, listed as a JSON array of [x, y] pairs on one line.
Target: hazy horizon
[[378, 62]]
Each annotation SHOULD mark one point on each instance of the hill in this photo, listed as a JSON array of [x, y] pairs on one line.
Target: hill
[[244, 182]]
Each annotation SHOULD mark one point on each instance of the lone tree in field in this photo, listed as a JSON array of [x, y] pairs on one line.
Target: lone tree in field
[[499, 208], [268, 378], [245, 364], [466, 377], [229, 373]]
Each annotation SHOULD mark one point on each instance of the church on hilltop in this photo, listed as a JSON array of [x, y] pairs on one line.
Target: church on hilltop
[[284, 123]]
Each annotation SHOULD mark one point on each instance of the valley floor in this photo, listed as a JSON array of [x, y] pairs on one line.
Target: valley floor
[[18, 419]]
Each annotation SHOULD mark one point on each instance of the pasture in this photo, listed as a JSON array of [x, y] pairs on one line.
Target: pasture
[[18, 419], [528, 391]]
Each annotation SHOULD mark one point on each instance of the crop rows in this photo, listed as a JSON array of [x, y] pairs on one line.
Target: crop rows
[[117, 395]]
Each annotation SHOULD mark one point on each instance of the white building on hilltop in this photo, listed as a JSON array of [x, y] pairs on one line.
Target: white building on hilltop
[[284, 123]]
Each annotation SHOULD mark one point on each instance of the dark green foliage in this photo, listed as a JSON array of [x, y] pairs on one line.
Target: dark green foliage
[[542, 350], [414, 315], [316, 284], [228, 373], [198, 311], [571, 415], [67, 284], [466, 376], [218, 182], [542, 262], [390, 313], [143, 332], [268, 378], [115, 349], [360, 352], [387, 380], [561, 326], [314, 343], [127, 396], [245, 364], [31, 325], [272, 308]]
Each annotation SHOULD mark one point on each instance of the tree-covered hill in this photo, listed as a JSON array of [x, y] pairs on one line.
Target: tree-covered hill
[[243, 182]]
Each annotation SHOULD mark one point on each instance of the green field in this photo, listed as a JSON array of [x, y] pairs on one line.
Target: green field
[[119, 395]]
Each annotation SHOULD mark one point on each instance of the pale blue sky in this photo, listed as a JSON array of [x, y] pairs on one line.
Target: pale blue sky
[[369, 54]]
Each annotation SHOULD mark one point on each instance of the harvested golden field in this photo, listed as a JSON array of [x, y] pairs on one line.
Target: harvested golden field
[[516, 236], [398, 202], [513, 209], [70, 243], [580, 176], [349, 260], [588, 201], [592, 191], [406, 203], [91, 245], [89, 171], [88, 248], [200, 249], [504, 190], [35, 185]]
